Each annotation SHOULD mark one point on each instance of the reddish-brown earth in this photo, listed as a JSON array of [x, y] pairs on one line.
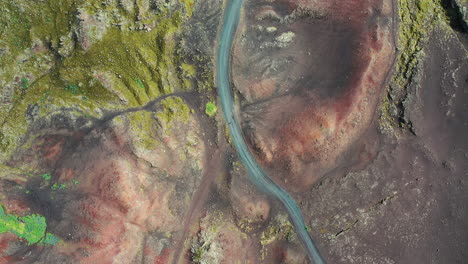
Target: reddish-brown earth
[[303, 113], [120, 202], [308, 109]]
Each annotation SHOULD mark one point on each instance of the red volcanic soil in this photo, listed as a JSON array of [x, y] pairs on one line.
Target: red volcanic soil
[[107, 202], [325, 97]]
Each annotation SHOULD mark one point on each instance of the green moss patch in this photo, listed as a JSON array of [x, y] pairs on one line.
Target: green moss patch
[[129, 58], [211, 109], [46, 176], [173, 108], [31, 228], [417, 20], [142, 128]]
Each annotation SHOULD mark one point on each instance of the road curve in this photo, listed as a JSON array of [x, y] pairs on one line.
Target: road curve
[[256, 174]]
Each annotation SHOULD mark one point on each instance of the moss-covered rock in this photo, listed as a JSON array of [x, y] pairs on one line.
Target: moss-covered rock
[[417, 20], [31, 228], [173, 108], [89, 55]]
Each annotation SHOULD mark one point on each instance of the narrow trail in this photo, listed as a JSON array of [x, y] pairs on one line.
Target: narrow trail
[[214, 167], [256, 175]]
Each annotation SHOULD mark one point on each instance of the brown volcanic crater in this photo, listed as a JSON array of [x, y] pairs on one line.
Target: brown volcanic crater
[[311, 78]]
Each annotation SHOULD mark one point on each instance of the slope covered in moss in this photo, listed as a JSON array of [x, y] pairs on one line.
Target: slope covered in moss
[[90, 55]]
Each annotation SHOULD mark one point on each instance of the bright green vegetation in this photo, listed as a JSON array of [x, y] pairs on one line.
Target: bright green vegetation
[[57, 186], [46, 176], [24, 83], [211, 109], [87, 54], [31, 228]]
